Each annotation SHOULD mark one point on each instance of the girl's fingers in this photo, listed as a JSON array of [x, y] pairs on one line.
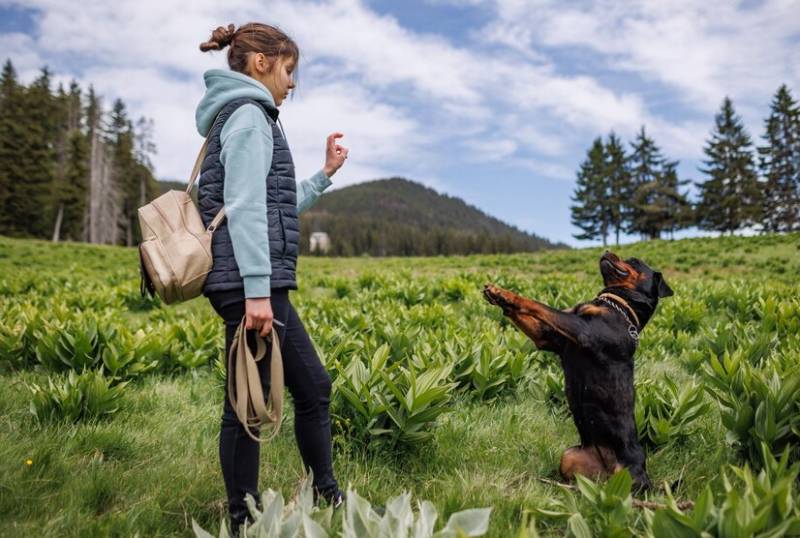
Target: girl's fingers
[[266, 329], [332, 139]]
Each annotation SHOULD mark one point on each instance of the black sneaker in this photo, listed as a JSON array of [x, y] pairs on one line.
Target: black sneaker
[[334, 497], [337, 500]]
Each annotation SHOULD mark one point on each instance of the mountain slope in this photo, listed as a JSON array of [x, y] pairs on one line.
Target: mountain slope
[[397, 217]]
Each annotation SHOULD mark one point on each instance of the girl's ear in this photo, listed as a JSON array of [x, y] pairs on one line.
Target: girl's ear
[[261, 62]]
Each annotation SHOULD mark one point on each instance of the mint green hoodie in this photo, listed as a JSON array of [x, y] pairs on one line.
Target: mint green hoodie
[[246, 155]]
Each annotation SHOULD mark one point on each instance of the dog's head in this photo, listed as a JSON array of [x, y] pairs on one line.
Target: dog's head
[[633, 274]]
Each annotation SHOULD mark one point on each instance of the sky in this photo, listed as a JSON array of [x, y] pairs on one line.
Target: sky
[[493, 101]]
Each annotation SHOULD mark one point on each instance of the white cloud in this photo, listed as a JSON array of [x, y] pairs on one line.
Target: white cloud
[[703, 49]]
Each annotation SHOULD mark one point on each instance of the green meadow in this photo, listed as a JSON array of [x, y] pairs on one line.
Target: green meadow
[[110, 404]]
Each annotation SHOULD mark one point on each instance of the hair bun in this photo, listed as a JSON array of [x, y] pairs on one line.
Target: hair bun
[[220, 38]]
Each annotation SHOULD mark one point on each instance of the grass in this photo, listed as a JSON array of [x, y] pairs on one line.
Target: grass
[[154, 467]]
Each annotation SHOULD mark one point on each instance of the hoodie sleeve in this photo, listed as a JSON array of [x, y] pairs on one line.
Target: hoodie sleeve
[[247, 156], [309, 190]]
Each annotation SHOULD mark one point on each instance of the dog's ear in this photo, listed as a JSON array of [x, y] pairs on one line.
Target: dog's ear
[[663, 288]]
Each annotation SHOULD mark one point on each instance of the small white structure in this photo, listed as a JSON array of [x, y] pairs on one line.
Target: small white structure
[[320, 242]]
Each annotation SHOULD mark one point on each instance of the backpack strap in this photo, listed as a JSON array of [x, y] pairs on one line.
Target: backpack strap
[[198, 164]]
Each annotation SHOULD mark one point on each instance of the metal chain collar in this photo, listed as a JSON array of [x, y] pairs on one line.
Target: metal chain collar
[[632, 331]]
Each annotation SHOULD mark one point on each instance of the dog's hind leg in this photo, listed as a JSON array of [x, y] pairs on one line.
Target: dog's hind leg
[[591, 461]]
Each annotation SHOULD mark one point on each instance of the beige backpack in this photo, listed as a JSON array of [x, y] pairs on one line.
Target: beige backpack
[[175, 253], [175, 259]]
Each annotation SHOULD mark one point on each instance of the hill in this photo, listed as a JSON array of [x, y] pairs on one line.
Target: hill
[[398, 217]]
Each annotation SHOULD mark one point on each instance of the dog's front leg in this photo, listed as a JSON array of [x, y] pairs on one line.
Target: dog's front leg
[[547, 327]]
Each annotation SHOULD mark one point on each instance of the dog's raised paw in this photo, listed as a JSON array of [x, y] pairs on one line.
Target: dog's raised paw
[[496, 296], [492, 294]]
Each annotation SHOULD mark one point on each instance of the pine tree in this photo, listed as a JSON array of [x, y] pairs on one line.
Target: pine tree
[[144, 149], [11, 131], [645, 165], [125, 178], [619, 183], [660, 206], [74, 170], [29, 204], [61, 146], [655, 203], [76, 178], [780, 164], [679, 212], [730, 199], [590, 212]]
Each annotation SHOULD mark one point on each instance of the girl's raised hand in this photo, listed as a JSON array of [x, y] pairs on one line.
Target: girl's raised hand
[[335, 154]]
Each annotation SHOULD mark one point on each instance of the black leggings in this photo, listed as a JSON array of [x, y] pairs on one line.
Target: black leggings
[[310, 387]]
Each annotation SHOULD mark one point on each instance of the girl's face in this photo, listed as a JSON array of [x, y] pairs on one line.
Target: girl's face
[[277, 75]]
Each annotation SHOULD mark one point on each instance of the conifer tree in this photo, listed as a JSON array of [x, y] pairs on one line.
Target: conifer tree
[[780, 164], [11, 116], [645, 165], [655, 203], [124, 172], [74, 170], [660, 206], [730, 199], [679, 213], [591, 197], [59, 187], [30, 207], [144, 149], [619, 183]]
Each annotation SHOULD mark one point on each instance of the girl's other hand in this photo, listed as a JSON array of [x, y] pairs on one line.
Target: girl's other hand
[[258, 315], [335, 154]]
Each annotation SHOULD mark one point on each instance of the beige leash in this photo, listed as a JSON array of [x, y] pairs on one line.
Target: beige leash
[[248, 400]]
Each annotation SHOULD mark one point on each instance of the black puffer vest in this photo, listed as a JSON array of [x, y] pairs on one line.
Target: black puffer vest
[[284, 229]]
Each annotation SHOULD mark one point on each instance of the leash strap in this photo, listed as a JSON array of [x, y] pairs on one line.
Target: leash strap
[[247, 400]]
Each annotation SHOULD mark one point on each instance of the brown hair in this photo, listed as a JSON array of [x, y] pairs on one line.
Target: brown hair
[[253, 37]]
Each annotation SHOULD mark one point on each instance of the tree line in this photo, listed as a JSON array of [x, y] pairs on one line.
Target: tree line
[[69, 169], [356, 236], [638, 191]]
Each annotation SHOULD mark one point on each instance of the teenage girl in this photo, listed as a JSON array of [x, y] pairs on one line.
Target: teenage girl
[[248, 169]]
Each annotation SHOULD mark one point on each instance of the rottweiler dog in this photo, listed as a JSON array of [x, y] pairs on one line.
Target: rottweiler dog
[[596, 342]]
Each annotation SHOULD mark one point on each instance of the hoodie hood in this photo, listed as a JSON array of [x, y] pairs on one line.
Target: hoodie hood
[[222, 87]]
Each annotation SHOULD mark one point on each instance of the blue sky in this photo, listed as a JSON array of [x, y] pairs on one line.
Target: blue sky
[[494, 101]]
